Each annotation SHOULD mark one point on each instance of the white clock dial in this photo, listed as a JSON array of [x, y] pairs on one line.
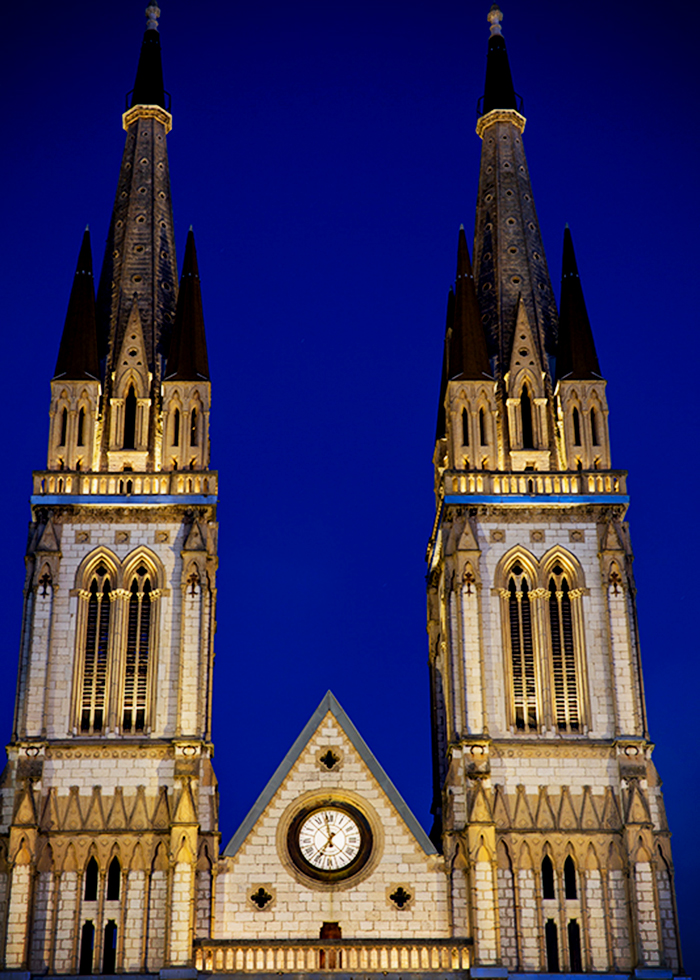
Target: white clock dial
[[329, 839]]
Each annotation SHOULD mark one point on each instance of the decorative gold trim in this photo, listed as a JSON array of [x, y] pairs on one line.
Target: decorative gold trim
[[148, 112], [499, 115]]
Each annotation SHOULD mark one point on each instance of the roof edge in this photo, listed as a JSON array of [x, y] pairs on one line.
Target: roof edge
[[329, 704]]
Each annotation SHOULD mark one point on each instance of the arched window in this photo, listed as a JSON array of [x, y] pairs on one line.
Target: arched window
[[64, 427], [483, 434], [551, 942], [577, 427], [193, 427], [564, 671], [92, 877], [547, 877], [526, 419], [109, 957], [94, 686], [465, 427], [114, 877], [81, 427], [87, 944], [574, 933], [130, 420], [137, 653], [569, 878], [521, 651], [594, 428], [176, 427]]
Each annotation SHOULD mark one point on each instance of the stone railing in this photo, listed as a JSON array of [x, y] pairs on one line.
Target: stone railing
[[312, 955], [591, 482], [178, 482]]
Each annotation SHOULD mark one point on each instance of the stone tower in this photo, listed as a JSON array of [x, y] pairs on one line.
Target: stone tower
[[109, 802], [546, 797]]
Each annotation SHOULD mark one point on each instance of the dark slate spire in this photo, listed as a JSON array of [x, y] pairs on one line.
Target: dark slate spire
[[576, 356], [187, 360], [498, 90], [77, 355], [468, 356], [441, 426], [148, 87]]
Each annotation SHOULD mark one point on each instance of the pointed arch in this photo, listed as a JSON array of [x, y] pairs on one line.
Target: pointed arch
[[114, 876], [91, 879], [568, 560], [547, 877], [562, 578], [518, 572], [570, 876], [142, 555], [90, 563], [527, 420]]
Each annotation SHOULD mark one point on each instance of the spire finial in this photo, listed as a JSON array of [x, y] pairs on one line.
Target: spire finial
[[494, 18], [152, 15]]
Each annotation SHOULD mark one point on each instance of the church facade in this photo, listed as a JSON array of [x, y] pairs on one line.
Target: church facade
[[549, 852]]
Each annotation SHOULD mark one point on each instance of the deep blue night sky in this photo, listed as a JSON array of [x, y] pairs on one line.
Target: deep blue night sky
[[326, 155]]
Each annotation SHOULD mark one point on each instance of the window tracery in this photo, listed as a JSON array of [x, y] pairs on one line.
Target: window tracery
[[94, 686]]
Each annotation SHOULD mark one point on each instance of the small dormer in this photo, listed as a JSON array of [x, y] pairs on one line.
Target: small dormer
[[130, 401], [526, 400]]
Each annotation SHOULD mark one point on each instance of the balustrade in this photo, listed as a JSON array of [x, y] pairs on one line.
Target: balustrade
[[594, 482], [52, 482]]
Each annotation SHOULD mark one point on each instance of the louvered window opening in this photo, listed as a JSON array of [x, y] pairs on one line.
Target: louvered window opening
[[137, 655], [522, 653], [92, 706], [564, 674]]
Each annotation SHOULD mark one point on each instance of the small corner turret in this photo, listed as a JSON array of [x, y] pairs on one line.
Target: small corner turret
[[582, 407], [75, 386]]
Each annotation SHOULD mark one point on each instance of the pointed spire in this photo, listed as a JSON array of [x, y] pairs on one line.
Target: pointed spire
[[498, 90], [77, 355], [441, 426], [187, 360], [148, 87], [576, 356], [468, 357]]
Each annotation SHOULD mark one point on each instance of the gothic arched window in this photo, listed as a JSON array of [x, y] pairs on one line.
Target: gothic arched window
[[193, 427], [94, 681], [522, 655], [569, 878], [564, 669], [577, 427], [483, 433], [465, 427], [130, 420], [92, 878], [551, 942], [574, 934], [176, 427], [81, 427], [114, 877], [547, 877], [594, 428], [526, 419], [138, 639], [64, 427]]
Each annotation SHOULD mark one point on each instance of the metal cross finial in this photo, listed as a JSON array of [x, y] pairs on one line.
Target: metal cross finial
[[494, 18], [152, 14]]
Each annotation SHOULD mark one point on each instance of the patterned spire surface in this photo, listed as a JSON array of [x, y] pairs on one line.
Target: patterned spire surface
[[187, 360], [509, 260], [576, 358], [77, 355], [140, 264]]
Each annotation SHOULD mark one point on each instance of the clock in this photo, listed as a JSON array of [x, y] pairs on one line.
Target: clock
[[330, 841]]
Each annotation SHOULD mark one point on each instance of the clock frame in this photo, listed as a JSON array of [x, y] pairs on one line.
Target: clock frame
[[327, 875]]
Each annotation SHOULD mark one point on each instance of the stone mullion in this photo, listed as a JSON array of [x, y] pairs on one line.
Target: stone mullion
[[116, 657], [82, 601], [124, 896], [542, 657], [75, 954], [146, 916], [587, 947], [537, 876], [98, 951], [154, 633], [564, 953], [516, 913]]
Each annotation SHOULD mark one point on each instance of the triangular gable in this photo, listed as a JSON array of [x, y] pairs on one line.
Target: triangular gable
[[329, 704]]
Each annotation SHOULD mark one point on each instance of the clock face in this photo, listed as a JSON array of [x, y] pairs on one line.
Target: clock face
[[330, 842], [329, 839]]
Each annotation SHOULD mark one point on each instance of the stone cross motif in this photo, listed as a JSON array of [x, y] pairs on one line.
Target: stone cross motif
[[193, 582], [469, 580], [45, 582], [615, 581]]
